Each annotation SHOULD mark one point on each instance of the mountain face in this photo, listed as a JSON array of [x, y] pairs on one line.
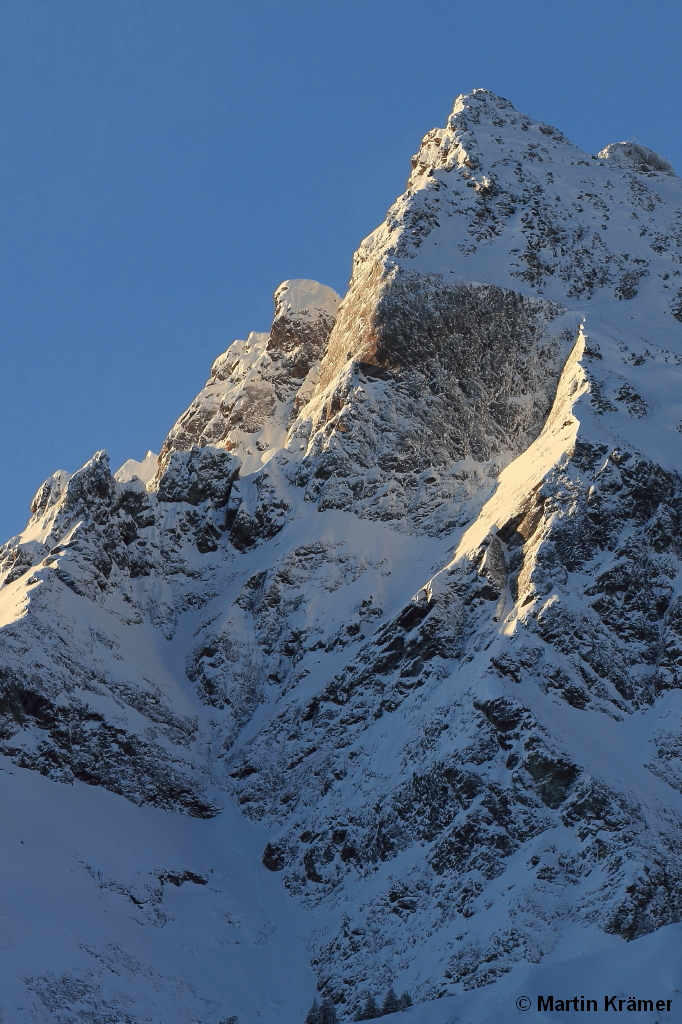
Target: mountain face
[[377, 667]]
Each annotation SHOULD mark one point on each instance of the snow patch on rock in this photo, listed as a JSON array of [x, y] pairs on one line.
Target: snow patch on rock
[[143, 470]]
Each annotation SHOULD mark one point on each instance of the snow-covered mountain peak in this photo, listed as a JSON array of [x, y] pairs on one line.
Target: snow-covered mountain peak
[[515, 203], [484, 127], [501, 210], [405, 588], [633, 156], [305, 300]]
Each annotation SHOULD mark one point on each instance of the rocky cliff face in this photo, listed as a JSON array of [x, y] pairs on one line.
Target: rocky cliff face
[[403, 586]]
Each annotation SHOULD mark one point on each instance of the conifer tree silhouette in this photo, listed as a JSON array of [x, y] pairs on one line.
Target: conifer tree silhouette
[[370, 1010], [391, 1003], [314, 1015], [328, 1012]]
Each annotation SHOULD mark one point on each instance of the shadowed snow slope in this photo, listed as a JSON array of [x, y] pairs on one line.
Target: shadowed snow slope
[[377, 670]]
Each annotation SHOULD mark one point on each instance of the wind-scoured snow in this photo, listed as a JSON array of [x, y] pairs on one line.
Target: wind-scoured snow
[[374, 674], [144, 470]]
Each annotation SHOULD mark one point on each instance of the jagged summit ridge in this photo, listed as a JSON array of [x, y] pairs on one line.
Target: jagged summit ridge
[[456, 146], [479, 188], [403, 593], [257, 385], [500, 210], [493, 175]]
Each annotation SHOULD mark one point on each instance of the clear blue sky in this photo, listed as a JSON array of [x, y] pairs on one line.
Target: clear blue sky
[[164, 164]]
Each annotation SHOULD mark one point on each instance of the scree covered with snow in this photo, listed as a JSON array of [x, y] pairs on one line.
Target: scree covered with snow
[[373, 676]]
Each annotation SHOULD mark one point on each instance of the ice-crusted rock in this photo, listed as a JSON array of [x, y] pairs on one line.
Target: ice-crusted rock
[[80, 709], [404, 585], [305, 312]]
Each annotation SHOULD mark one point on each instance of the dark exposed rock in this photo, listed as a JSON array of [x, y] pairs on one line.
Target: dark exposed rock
[[77, 742], [273, 857], [447, 347], [200, 474], [178, 877]]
